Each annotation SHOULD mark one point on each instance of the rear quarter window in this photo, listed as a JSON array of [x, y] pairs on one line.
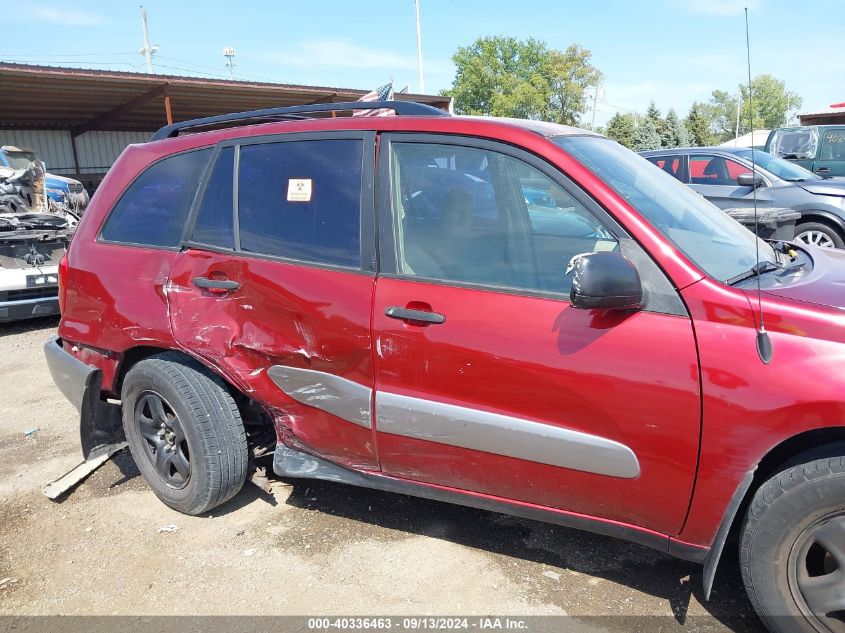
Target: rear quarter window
[[302, 200], [153, 210]]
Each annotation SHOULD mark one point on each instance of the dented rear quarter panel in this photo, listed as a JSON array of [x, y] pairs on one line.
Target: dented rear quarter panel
[[282, 314], [114, 294]]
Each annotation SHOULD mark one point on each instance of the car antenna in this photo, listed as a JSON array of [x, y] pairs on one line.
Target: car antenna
[[764, 343]]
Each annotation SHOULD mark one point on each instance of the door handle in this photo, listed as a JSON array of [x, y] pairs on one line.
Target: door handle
[[822, 170], [220, 285], [420, 316]]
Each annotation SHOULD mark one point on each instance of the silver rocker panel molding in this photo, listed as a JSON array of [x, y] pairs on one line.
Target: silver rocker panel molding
[[503, 435], [344, 398]]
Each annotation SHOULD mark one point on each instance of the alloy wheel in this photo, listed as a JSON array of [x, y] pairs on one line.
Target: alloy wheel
[[165, 445], [815, 238], [817, 573]]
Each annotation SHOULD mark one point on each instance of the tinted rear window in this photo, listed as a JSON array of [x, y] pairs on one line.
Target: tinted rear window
[[153, 209], [302, 200]]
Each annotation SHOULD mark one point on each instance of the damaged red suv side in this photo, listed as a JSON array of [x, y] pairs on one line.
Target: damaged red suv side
[[507, 314]]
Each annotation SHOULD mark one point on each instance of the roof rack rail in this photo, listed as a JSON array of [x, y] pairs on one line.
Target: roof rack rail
[[403, 108]]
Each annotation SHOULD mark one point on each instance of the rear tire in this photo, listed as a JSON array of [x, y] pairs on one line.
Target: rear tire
[[185, 432], [818, 234], [792, 550]]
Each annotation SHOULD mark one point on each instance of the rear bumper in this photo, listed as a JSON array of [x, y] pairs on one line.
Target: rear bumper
[[100, 426], [71, 375], [28, 308]]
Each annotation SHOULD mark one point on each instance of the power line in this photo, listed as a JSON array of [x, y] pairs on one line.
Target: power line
[[64, 54]]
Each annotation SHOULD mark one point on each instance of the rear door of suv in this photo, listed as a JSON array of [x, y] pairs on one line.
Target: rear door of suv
[[275, 281], [487, 379]]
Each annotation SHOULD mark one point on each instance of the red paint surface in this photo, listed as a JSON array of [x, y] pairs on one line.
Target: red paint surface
[[631, 379]]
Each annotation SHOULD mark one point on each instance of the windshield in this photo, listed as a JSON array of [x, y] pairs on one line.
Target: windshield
[[719, 245], [779, 167], [19, 160]]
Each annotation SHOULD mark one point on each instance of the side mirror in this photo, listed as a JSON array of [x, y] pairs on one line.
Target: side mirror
[[750, 180], [605, 281]]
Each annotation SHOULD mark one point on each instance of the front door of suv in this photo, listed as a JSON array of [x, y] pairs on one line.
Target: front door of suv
[[487, 379], [274, 284], [715, 177]]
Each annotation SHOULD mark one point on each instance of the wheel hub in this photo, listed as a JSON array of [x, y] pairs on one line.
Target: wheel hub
[[817, 573], [165, 444], [815, 238]]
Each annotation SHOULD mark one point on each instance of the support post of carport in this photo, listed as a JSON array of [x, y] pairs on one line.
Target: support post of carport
[[167, 111], [75, 155]]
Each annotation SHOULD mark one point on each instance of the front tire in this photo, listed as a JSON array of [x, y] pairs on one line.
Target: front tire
[[818, 234], [185, 432], [793, 548]]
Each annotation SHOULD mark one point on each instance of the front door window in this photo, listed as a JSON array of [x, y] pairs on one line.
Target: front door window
[[481, 217]]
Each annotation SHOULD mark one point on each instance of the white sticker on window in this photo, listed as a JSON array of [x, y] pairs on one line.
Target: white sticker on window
[[299, 190]]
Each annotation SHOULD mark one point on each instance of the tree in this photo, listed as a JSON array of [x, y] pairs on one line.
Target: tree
[[621, 129], [771, 101], [653, 115], [646, 136], [698, 125], [504, 76], [677, 134], [722, 111], [570, 75], [500, 76]]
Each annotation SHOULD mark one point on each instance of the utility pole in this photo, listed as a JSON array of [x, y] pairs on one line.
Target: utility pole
[[595, 101], [148, 51], [229, 54], [419, 48], [738, 105]]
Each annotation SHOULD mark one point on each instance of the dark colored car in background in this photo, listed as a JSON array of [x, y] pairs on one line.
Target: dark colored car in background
[[723, 175], [819, 148], [512, 315]]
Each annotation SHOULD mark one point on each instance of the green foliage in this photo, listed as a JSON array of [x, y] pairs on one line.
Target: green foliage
[[646, 136], [721, 110], [569, 74], [504, 76], [677, 134], [620, 128], [698, 125], [659, 123], [771, 101]]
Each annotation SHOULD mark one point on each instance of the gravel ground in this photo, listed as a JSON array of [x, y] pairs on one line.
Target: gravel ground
[[307, 548]]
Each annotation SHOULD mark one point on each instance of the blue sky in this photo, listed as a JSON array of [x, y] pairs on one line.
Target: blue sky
[[671, 51]]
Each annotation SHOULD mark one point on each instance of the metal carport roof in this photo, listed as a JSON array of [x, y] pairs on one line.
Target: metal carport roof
[[82, 100]]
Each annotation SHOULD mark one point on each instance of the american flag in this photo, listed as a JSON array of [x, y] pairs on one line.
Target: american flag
[[382, 93]]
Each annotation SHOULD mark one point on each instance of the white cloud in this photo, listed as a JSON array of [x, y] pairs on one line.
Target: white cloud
[[332, 53], [721, 7], [67, 16]]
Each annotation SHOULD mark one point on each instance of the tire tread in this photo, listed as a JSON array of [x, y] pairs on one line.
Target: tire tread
[[217, 420]]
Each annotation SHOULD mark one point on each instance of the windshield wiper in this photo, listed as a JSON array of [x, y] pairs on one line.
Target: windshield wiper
[[795, 179], [756, 270]]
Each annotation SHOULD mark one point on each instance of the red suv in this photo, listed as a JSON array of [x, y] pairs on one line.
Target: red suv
[[506, 314]]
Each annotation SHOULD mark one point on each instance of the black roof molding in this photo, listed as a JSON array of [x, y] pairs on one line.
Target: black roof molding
[[402, 108]]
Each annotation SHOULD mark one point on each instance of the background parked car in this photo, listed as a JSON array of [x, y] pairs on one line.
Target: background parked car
[[66, 191], [819, 148], [723, 176]]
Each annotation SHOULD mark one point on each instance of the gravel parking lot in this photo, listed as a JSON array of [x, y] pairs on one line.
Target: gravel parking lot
[[307, 548]]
